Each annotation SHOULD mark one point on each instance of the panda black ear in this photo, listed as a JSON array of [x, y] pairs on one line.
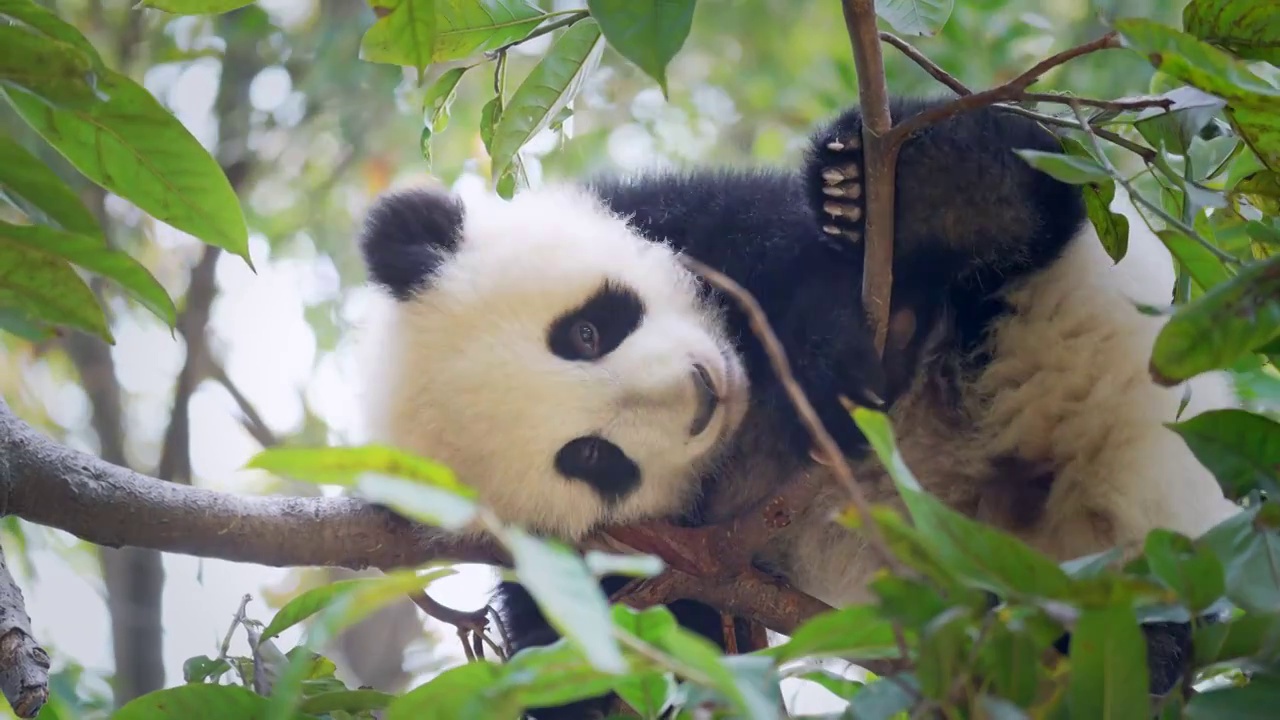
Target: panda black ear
[[407, 234]]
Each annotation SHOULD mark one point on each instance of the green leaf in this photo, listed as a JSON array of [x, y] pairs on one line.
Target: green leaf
[[37, 17], [418, 33], [18, 322], [352, 701], [53, 70], [22, 174], [853, 632], [1263, 191], [549, 87], [1248, 546], [459, 692], [1206, 270], [133, 147], [1108, 666], [885, 698], [195, 7], [434, 506], [1215, 329], [1176, 127], [43, 287], [92, 254], [1248, 28], [646, 694], [649, 33], [345, 602], [1010, 660], [198, 701], [1112, 227], [1260, 129], [568, 596], [1067, 168], [986, 557], [344, 465], [1241, 449], [1251, 635], [202, 668], [1197, 64], [915, 17], [1193, 572], [1256, 701], [550, 675], [439, 99]]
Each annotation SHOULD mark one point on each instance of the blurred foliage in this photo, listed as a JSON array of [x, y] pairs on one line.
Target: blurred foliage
[[113, 164]]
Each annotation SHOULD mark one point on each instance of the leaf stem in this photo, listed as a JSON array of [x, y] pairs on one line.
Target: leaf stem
[[569, 17]]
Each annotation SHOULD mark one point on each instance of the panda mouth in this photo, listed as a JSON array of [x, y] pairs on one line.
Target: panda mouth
[[708, 399]]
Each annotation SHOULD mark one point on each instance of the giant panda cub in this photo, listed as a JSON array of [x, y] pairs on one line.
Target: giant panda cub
[[556, 354]]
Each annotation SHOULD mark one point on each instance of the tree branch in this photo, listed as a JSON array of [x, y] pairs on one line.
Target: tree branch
[[104, 504], [24, 665], [928, 65], [879, 159]]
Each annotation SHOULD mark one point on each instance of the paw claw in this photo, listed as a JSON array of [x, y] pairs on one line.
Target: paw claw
[[853, 212]]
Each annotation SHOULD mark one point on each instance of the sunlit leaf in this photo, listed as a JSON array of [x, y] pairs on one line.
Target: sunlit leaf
[[195, 7], [1248, 28], [1108, 666], [44, 287], [987, 557], [1067, 168], [1215, 329], [344, 465], [1263, 191], [1240, 448], [459, 692], [418, 33], [550, 86], [551, 675], [197, 701], [646, 693], [133, 147], [885, 698], [345, 602], [915, 17], [39, 18], [568, 596], [1248, 546], [1175, 127], [1256, 701], [649, 33], [53, 70], [439, 99], [92, 254], [853, 632], [1198, 64], [1193, 572], [22, 174]]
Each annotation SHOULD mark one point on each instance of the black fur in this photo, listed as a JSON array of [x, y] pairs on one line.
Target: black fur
[[407, 234]]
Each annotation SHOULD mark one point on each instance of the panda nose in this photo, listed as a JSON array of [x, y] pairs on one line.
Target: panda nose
[[708, 399]]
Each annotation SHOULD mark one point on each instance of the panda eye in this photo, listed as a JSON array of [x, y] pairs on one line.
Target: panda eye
[[589, 453], [586, 340]]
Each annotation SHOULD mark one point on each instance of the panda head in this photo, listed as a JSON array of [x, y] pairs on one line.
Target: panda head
[[570, 370]]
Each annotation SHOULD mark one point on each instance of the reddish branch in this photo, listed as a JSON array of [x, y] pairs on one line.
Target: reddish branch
[[880, 156]]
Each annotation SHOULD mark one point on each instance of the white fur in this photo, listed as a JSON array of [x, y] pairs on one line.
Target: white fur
[[463, 372], [1068, 387]]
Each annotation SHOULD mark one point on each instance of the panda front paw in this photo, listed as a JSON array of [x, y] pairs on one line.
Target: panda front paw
[[835, 180]]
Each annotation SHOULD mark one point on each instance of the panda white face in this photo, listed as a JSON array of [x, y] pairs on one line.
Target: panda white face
[[561, 364]]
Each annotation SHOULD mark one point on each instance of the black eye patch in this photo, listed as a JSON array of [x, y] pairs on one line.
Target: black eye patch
[[601, 465], [598, 326]]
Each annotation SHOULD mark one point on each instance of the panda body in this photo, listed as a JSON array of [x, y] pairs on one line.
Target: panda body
[[1016, 372]]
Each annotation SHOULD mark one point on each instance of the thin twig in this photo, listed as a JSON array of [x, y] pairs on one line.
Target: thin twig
[[571, 17], [879, 159], [928, 65], [236, 621], [252, 420], [1147, 154], [1114, 105], [782, 368], [1138, 198], [1012, 90]]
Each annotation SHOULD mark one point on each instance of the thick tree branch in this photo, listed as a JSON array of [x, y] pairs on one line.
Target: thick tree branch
[[879, 159], [24, 665], [49, 484]]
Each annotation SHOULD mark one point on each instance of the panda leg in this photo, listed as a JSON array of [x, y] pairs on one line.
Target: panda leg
[[834, 180]]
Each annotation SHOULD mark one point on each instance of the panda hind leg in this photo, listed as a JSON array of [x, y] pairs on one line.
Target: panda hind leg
[[834, 181]]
